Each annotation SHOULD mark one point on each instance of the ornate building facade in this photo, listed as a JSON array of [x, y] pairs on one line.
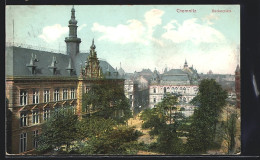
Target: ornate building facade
[[182, 82], [39, 82]]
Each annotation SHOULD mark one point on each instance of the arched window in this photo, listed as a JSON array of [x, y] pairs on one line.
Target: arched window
[[164, 89], [154, 90]]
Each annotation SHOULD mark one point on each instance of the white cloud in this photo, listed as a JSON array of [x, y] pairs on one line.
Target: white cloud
[[133, 31], [81, 27], [190, 30], [152, 19], [52, 33]]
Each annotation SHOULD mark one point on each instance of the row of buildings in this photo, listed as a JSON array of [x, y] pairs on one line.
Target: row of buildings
[[146, 88]]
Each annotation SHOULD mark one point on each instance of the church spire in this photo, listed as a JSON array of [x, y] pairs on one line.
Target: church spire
[[92, 47], [185, 64]]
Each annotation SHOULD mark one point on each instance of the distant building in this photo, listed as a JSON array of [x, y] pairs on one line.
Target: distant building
[[227, 81], [130, 88], [40, 82], [182, 82]]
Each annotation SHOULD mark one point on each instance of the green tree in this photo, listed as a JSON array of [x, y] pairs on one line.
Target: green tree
[[102, 136], [94, 127], [157, 117], [154, 119], [231, 132], [164, 120], [107, 101], [168, 141], [58, 130], [210, 100], [227, 129]]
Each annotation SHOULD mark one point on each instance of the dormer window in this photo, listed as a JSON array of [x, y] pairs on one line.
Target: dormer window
[[53, 67], [69, 68], [32, 67]]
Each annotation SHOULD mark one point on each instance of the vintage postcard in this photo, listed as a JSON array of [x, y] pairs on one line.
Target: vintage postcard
[[122, 80]]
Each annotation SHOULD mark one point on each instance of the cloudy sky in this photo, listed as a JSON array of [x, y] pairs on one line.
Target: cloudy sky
[[138, 36]]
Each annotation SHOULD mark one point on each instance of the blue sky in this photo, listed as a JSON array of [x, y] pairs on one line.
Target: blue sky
[[138, 36]]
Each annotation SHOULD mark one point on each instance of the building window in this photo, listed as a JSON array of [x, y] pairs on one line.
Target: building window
[[23, 97], [164, 89], [65, 94], [46, 97], [23, 119], [72, 93], [46, 114], [35, 142], [154, 100], [56, 95], [35, 96], [35, 117], [154, 90], [23, 142]]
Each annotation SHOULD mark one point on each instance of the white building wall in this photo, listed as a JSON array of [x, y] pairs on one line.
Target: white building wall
[[129, 91], [156, 92]]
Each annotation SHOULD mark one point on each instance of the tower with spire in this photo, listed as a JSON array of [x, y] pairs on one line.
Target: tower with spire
[[185, 64], [92, 68], [72, 41]]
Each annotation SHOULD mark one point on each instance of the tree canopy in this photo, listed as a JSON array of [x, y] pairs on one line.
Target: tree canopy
[[210, 100], [163, 121], [103, 136], [107, 101], [58, 130]]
